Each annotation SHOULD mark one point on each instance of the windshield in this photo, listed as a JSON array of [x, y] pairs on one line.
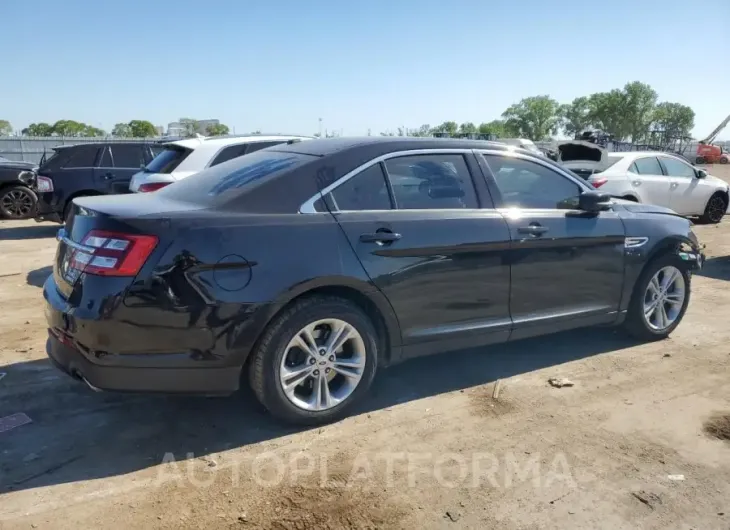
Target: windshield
[[168, 159], [225, 181]]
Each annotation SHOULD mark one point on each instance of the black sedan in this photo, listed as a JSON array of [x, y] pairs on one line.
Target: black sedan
[[307, 266]]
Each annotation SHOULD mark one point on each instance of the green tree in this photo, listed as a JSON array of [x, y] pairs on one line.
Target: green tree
[[5, 128], [121, 130], [38, 129], [450, 127], [673, 119], [535, 117], [640, 102], [607, 111], [189, 125], [141, 129], [92, 132], [467, 128], [498, 128], [423, 131], [576, 116], [68, 128], [217, 129]]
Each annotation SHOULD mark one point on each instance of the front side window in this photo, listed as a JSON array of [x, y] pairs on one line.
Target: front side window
[[426, 182], [365, 191], [83, 156], [526, 184], [647, 166], [675, 168]]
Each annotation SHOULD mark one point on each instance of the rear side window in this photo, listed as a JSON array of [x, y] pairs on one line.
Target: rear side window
[[168, 159], [127, 156], [82, 156], [257, 146], [647, 166], [365, 191], [228, 153], [425, 182], [224, 182]]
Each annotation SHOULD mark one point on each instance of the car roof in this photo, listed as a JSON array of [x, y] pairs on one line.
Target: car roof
[[221, 141], [327, 146], [636, 154]]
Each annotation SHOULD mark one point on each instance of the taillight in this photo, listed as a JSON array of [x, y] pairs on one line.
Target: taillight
[[597, 183], [152, 186], [43, 184], [113, 253]]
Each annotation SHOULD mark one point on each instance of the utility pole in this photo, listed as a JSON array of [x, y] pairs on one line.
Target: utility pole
[[320, 127]]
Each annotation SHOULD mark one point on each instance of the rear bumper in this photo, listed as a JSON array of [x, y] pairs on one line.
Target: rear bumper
[[208, 381]]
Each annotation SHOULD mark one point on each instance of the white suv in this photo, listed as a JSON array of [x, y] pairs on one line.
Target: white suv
[[182, 158]]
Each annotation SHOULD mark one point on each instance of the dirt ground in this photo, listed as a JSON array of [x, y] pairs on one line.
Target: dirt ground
[[639, 440]]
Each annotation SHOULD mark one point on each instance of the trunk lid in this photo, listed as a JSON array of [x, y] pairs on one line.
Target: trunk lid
[[583, 158]]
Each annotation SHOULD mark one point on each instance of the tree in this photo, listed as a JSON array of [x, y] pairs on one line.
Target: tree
[[141, 129], [640, 101], [450, 127], [467, 128], [535, 117], [91, 132], [5, 128], [217, 129], [38, 129], [673, 119], [576, 116], [189, 126], [68, 128], [498, 128], [121, 130], [607, 111], [423, 131]]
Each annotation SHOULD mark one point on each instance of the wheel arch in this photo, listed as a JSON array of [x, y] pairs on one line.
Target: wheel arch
[[364, 295]]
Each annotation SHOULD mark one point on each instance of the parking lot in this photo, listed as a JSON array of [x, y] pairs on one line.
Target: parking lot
[[439, 444]]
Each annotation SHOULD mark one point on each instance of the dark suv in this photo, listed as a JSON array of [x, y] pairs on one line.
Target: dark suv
[[99, 168]]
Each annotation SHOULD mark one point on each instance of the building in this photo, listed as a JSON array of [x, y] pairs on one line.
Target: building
[[176, 128]]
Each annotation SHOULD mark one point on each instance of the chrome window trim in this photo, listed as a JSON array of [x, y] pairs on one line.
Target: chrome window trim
[[308, 206]]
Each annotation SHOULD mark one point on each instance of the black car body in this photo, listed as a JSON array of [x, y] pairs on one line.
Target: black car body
[[17, 200], [419, 244], [87, 169]]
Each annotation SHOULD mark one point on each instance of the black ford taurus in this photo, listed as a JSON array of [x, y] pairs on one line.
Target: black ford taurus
[[307, 266]]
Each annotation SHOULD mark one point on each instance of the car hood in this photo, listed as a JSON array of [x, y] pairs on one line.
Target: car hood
[[716, 181], [17, 165]]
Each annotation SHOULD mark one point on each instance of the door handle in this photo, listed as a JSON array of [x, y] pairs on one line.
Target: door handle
[[533, 229], [673, 185], [381, 237], [636, 183], [107, 176]]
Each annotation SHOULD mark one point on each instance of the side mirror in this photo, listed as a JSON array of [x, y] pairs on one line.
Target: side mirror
[[700, 173], [594, 201]]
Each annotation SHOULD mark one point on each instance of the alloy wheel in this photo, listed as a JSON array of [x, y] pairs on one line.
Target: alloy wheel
[[17, 203], [322, 364], [664, 298], [716, 209]]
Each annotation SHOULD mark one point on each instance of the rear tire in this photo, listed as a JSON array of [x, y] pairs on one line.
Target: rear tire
[[724, 160], [652, 327], [278, 359], [17, 202], [700, 160], [715, 209]]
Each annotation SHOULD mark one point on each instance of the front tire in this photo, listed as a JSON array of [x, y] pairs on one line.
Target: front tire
[[315, 360], [660, 299], [715, 209]]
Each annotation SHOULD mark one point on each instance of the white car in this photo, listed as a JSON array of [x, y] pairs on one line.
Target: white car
[[524, 143], [182, 158], [651, 177]]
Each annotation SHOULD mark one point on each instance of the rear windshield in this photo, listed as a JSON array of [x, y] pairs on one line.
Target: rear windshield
[[225, 181], [168, 159]]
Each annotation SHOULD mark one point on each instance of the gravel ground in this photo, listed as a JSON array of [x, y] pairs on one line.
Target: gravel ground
[[639, 441]]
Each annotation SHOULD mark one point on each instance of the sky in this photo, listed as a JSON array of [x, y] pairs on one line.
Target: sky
[[280, 66]]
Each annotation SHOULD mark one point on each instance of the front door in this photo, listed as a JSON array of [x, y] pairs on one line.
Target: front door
[[687, 196], [650, 182], [567, 266], [416, 225]]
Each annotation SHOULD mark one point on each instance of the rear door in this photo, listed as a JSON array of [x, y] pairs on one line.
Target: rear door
[[431, 241], [567, 266], [119, 162], [688, 196], [72, 173], [649, 181]]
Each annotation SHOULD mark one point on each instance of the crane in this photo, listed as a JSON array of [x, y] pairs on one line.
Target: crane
[[707, 153]]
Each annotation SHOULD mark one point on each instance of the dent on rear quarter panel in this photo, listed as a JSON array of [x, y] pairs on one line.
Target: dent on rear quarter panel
[[278, 258]]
